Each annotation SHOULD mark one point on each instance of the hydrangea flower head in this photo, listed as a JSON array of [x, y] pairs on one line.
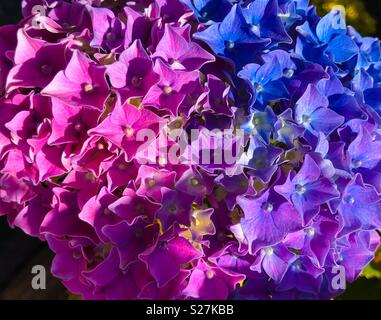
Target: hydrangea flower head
[[104, 106]]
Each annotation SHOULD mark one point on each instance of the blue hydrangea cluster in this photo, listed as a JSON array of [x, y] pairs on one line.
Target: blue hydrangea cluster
[[308, 94]]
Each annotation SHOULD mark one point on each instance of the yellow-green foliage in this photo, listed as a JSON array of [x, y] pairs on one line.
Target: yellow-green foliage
[[356, 14]]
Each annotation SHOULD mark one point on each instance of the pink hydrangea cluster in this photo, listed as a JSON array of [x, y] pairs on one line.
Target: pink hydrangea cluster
[[78, 81]]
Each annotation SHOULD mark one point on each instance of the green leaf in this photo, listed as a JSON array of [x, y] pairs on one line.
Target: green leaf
[[373, 270]]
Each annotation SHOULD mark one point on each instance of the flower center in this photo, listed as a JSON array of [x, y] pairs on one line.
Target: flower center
[[289, 73], [77, 255], [89, 176], [177, 124], [162, 161], [110, 36], [306, 119], [174, 62], [129, 132], [357, 163], [285, 16], [269, 251], [78, 127], [167, 90], [122, 166], [229, 44], [107, 212], [210, 274], [136, 81], [296, 266], [350, 200], [300, 189], [151, 182], [88, 87], [259, 87], [101, 146], [163, 244], [172, 209], [310, 231], [140, 208], [46, 69], [268, 207], [254, 28], [257, 120], [260, 163], [195, 182]]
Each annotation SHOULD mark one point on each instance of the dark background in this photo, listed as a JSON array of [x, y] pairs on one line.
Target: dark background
[[374, 9], [10, 12], [19, 252]]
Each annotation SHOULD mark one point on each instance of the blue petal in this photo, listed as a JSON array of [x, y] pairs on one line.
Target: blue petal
[[343, 48], [330, 25]]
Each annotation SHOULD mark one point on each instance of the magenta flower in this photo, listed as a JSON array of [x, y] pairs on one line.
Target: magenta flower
[[82, 83], [30, 218], [217, 98], [133, 74], [171, 291], [131, 239], [176, 208], [137, 25], [36, 62], [73, 17], [153, 180], [63, 218], [120, 173], [108, 30], [268, 220], [211, 283], [274, 260], [97, 214], [119, 283], [122, 126], [70, 124], [307, 190], [132, 206], [94, 156], [171, 90], [179, 52], [173, 252], [195, 182], [68, 264]]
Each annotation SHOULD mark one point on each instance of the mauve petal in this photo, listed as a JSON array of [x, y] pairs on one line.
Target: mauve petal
[[26, 47], [66, 266], [30, 218], [104, 273]]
